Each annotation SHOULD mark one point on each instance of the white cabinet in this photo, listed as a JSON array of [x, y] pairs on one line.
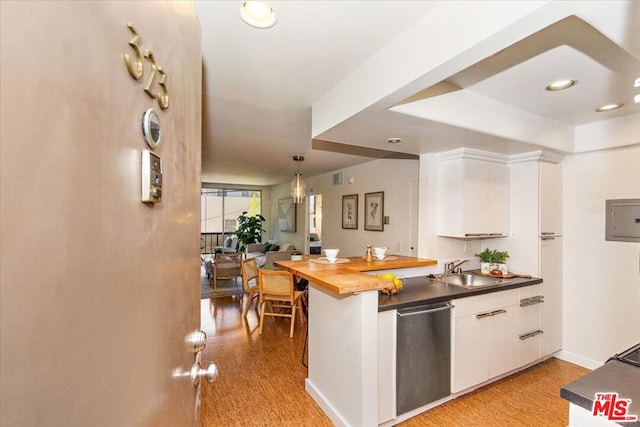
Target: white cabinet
[[550, 199], [550, 254], [529, 325], [473, 197], [551, 273], [485, 338], [387, 339], [535, 243], [494, 334]]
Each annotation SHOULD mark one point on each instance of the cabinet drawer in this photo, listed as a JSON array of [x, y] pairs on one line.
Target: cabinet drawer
[[485, 303], [529, 318], [529, 347], [530, 291]]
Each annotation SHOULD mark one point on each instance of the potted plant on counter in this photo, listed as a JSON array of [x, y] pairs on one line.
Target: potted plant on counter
[[493, 259]]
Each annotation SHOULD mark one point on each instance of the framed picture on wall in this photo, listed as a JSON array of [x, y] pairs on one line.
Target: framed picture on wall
[[287, 215], [374, 211], [350, 211]]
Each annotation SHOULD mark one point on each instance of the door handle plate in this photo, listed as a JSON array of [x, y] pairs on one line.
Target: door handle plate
[[195, 341]]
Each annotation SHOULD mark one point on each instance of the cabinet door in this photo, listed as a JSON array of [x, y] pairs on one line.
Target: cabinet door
[[450, 198], [387, 339], [473, 198], [502, 339], [551, 273], [497, 218], [550, 194], [476, 197], [470, 353]]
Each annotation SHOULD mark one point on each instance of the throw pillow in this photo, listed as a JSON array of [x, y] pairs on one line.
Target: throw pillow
[[274, 248], [266, 248]]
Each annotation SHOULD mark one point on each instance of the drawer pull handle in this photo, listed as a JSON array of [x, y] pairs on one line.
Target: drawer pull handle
[[490, 313], [526, 302], [483, 315], [530, 335]]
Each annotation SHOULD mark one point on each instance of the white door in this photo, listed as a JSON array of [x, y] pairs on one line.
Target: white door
[[98, 289]]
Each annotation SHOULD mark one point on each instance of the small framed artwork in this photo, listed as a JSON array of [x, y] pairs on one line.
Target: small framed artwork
[[374, 211], [350, 212], [287, 215]]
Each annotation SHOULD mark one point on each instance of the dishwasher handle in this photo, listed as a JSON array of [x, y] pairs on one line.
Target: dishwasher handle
[[446, 306]]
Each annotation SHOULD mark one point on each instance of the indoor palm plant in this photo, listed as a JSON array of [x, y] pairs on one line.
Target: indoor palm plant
[[249, 230]]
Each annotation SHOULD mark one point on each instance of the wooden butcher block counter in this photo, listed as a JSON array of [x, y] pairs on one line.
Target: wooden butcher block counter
[[347, 275]]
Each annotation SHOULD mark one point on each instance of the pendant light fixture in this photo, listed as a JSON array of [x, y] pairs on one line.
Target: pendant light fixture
[[298, 187]]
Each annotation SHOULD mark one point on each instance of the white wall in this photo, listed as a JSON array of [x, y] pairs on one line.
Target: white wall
[[394, 177], [283, 191], [601, 278]]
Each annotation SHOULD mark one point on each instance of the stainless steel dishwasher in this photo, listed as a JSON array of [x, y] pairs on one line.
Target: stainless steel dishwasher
[[423, 365]]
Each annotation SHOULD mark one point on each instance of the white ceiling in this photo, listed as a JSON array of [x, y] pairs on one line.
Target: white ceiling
[[260, 86]]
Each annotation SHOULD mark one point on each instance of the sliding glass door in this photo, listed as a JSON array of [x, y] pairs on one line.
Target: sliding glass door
[[219, 209]]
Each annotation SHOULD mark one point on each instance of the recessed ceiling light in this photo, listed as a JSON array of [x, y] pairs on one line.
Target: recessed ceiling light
[[637, 83], [636, 99], [560, 84], [258, 14], [608, 107], [394, 140]]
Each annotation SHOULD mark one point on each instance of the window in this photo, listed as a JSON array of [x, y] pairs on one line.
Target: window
[[219, 209]]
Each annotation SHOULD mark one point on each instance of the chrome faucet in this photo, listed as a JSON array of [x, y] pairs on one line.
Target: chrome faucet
[[451, 266]]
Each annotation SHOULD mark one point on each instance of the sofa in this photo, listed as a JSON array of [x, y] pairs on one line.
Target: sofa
[[267, 253]]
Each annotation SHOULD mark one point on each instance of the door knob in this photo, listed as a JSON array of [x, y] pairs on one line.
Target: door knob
[[197, 372], [196, 341]]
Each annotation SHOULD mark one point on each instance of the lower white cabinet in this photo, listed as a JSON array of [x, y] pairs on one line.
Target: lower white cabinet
[[551, 272], [485, 342], [387, 339], [529, 325], [494, 334]]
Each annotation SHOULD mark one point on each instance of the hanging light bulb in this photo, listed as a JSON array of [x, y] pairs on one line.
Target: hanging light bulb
[[298, 187]]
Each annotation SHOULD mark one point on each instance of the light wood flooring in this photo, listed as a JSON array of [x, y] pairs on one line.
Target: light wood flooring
[[261, 381]]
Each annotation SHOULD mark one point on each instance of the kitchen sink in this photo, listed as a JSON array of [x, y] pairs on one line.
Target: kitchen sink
[[470, 280]]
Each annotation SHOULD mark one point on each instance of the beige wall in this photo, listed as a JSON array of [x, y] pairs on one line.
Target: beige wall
[[394, 177], [97, 289]]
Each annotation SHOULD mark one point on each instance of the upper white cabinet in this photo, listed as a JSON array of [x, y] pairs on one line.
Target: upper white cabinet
[[550, 196], [473, 195]]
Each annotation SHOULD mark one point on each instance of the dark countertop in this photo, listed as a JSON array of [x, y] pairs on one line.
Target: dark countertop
[[613, 376], [423, 290]]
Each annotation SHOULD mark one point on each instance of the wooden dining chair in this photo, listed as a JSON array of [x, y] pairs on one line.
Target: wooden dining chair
[[250, 282], [277, 288]]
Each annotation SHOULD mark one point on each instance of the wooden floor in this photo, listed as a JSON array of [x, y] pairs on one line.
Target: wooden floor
[[261, 381]]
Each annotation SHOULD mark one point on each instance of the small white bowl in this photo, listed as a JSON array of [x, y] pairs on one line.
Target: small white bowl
[[380, 251], [331, 254]]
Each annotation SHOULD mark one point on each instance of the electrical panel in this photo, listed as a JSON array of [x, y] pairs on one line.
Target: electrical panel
[[623, 220]]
